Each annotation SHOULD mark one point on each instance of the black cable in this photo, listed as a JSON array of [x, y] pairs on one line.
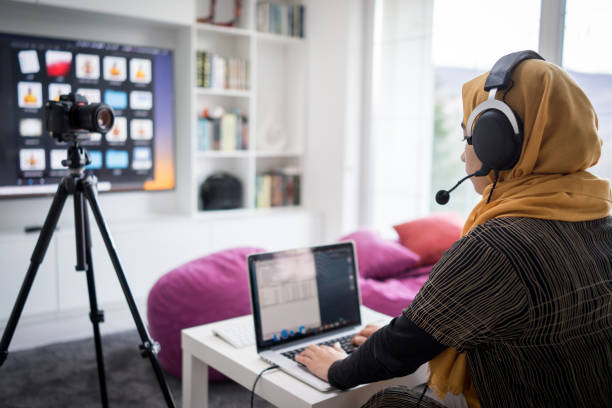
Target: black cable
[[494, 184], [257, 379], [421, 397]]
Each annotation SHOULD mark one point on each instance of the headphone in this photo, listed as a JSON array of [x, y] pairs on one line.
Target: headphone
[[493, 129]]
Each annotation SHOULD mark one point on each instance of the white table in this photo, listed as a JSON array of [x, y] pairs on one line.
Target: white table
[[201, 348]]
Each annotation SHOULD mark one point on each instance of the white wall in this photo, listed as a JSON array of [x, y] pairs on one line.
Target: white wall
[[398, 146], [335, 38]]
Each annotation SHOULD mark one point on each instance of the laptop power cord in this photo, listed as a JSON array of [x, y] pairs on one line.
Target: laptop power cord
[[257, 379], [422, 394]]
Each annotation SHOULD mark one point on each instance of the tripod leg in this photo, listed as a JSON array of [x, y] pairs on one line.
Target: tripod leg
[[84, 262], [149, 348], [37, 257]]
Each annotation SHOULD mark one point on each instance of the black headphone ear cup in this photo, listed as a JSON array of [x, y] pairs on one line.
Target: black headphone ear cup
[[494, 141]]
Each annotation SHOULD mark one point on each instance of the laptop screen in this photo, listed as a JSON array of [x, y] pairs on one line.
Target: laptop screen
[[304, 292]]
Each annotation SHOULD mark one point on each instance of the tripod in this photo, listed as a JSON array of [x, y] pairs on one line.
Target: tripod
[[82, 185]]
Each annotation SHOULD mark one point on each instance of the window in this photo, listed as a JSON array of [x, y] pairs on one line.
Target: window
[[467, 40], [587, 57], [422, 53]]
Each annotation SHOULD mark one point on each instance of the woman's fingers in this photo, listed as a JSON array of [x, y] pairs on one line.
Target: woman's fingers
[[300, 358], [318, 359], [358, 340], [368, 330], [308, 352], [362, 336]]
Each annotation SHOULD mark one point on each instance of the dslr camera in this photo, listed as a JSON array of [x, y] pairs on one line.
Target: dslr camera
[[72, 118]]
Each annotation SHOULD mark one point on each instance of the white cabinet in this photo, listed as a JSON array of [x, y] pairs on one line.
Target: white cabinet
[[277, 230], [145, 251], [15, 252], [148, 251]]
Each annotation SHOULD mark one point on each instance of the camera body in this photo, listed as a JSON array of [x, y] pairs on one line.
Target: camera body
[[72, 118]]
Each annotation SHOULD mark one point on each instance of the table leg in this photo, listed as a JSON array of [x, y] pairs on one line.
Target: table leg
[[195, 382]]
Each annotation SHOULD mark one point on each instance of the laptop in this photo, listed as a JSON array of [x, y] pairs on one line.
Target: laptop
[[304, 296]]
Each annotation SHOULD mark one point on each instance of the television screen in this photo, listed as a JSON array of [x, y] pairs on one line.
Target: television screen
[[137, 82]]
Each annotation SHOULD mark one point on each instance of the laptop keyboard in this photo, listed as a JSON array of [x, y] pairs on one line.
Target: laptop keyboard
[[345, 344]]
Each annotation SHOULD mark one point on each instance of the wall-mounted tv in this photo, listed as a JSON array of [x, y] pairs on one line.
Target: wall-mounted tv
[[137, 82]]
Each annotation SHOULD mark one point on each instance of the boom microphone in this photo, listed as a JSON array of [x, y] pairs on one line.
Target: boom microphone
[[443, 196]]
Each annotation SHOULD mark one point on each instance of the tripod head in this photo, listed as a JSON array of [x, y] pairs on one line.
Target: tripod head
[[77, 159]]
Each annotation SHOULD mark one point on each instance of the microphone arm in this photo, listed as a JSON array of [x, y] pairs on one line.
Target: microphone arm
[[443, 196]]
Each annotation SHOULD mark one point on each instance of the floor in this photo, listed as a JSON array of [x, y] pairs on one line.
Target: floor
[[65, 375]]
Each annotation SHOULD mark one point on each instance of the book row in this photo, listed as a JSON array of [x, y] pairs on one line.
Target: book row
[[280, 19], [277, 188], [228, 132], [215, 71]]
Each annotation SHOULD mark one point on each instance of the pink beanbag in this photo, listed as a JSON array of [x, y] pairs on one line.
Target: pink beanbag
[[212, 288], [391, 296], [380, 258]]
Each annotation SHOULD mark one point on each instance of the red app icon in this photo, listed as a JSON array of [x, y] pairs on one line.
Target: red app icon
[[58, 63]]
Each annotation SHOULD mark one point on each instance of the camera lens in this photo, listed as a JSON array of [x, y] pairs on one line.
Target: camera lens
[[95, 117], [105, 119]]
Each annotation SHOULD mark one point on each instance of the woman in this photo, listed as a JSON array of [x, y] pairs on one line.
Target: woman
[[526, 292]]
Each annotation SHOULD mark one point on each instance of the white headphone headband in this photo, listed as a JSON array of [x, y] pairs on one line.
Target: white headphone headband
[[492, 103]]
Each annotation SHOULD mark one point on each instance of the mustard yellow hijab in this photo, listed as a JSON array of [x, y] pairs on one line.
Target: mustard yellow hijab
[[549, 181]]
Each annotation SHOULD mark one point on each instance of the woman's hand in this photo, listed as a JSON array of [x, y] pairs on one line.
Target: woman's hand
[[363, 335], [318, 359]]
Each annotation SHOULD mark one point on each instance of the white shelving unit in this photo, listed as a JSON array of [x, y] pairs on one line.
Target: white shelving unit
[[311, 84], [275, 105]]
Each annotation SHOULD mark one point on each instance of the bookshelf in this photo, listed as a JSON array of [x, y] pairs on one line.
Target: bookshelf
[[274, 102]]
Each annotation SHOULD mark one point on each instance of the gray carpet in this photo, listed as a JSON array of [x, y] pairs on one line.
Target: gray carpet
[[66, 375]]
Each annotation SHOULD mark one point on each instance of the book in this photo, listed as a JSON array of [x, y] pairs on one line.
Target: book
[[221, 130], [277, 188], [296, 190], [206, 70], [301, 22], [296, 21], [215, 71], [284, 20], [203, 140], [244, 131], [228, 132], [266, 190], [289, 197], [218, 79], [292, 189], [216, 133], [199, 69], [280, 19]]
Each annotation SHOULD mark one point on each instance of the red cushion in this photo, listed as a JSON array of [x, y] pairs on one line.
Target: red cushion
[[431, 236]]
